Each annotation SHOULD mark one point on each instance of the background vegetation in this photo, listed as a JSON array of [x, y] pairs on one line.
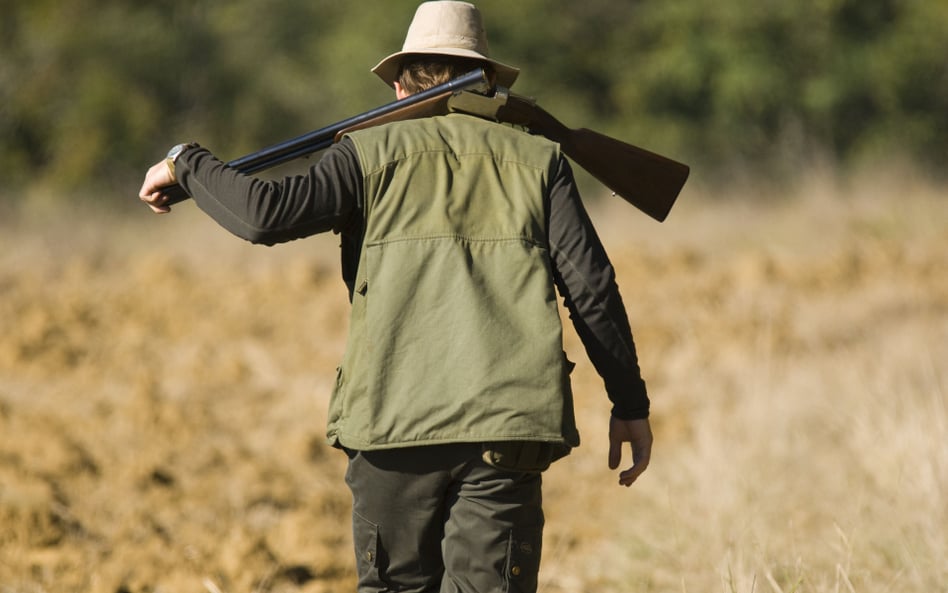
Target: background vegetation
[[93, 91]]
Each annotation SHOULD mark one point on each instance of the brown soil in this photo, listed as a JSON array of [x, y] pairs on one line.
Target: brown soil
[[163, 386]]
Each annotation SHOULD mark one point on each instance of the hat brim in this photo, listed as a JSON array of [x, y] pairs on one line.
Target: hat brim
[[387, 69]]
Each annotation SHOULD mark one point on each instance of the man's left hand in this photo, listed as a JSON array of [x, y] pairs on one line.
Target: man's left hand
[[638, 433]]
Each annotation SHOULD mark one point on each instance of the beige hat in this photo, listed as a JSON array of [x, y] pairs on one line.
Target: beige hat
[[445, 28]]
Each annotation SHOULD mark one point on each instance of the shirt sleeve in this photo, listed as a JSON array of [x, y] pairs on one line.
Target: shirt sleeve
[[586, 280], [325, 198]]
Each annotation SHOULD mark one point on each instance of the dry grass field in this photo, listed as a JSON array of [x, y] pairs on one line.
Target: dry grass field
[[163, 389]]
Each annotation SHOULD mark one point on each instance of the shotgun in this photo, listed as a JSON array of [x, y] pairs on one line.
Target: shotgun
[[646, 180]]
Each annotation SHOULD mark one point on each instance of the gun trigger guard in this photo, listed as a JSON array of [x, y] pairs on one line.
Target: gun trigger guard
[[474, 103]]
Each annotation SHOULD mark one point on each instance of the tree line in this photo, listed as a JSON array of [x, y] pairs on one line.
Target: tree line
[[92, 92]]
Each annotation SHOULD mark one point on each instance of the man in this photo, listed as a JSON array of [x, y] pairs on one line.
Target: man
[[453, 395]]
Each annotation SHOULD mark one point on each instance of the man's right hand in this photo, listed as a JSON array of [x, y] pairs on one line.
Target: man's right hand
[[158, 177]]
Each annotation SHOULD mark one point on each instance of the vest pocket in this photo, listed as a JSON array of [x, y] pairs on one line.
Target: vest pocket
[[458, 339]]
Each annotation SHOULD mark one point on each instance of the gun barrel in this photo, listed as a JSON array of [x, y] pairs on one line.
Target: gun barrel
[[322, 138]]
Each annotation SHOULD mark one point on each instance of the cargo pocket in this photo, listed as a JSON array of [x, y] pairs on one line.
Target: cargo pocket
[[365, 535], [523, 560]]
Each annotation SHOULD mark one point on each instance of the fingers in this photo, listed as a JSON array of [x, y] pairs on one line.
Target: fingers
[[157, 178], [638, 434], [615, 452], [156, 201], [629, 476]]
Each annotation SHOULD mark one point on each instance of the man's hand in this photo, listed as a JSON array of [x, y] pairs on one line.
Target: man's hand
[[157, 178], [638, 433]]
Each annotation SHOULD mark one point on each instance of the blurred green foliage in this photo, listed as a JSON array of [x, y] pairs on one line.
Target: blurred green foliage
[[93, 92]]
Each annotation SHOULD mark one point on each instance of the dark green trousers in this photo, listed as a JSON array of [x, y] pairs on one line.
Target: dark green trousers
[[438, 519]]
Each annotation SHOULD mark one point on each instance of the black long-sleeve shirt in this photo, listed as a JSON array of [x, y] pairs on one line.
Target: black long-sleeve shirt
[[329, 196]]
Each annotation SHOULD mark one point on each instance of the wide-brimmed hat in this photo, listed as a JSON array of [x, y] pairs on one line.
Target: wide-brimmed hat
[[445, 28]]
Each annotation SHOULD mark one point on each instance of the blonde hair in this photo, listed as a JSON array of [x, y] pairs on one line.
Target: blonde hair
[[418, 73]]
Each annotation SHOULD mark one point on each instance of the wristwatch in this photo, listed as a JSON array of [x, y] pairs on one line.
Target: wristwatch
[[175, 152]]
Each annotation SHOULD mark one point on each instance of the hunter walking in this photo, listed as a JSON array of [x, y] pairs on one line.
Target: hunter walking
[[454, 391]]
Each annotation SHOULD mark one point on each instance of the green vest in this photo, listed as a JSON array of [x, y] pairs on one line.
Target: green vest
[[455, 334]]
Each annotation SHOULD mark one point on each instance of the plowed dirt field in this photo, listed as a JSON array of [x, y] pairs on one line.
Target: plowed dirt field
[[163, 389]]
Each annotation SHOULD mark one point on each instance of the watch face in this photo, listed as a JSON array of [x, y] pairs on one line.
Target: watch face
[[176, 150]]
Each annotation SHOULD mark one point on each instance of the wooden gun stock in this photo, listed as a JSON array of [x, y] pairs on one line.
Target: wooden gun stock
[[648, 181]]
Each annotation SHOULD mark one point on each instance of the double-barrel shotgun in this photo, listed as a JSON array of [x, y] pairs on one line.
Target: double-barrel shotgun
[[648, 181]]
